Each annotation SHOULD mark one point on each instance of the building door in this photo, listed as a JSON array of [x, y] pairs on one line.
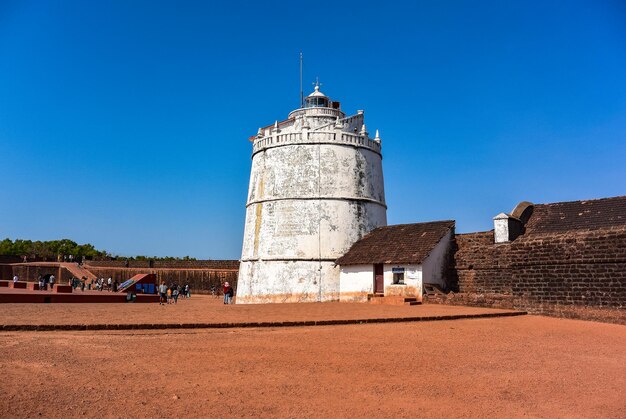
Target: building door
[[379, 282]]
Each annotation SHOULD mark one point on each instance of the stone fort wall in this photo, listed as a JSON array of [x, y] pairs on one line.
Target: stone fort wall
[[200, 275], [200, 280], [579, 274]]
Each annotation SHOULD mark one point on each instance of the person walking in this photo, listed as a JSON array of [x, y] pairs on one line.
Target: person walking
[[15, 278], [109, 283], [162, 293], [52, 282], [175, 294], [228, 293]]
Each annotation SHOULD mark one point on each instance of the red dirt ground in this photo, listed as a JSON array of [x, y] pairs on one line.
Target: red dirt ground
[[504, 367], [207, 309]]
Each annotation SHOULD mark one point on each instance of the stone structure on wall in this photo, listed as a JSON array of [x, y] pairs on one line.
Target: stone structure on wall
[[316, 187]]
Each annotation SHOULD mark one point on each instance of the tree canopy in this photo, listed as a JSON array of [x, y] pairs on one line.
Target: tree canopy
[[54, 249]]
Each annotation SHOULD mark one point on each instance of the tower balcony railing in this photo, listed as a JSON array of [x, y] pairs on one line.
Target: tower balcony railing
[[315, 137], [316, 112]]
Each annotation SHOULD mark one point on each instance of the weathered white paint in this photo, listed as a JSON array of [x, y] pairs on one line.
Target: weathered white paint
[[436, 263], [357, 281], [412, 286], [316, 187], [501, 228]]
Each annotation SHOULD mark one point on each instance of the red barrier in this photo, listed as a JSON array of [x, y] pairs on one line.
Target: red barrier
[[19, 284], [64, 289]]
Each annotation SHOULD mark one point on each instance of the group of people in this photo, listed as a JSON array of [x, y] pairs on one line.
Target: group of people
[[45, 281], [170, 295], [109, 284], [75, 283]]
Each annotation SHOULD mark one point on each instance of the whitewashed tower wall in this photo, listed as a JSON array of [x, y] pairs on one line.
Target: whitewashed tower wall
[[316, 187]]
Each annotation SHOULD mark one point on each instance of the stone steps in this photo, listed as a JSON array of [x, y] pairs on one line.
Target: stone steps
[[392, 300]]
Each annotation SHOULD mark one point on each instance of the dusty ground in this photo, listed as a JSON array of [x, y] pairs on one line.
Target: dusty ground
[[207, 309], [506, 367]]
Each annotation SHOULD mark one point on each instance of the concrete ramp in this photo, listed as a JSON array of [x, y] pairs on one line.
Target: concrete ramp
[[78, 271]]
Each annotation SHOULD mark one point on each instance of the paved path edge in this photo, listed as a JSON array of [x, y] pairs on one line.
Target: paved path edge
[[235, 325]]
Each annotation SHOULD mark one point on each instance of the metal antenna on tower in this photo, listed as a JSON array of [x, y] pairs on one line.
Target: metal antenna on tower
[[301, 92]]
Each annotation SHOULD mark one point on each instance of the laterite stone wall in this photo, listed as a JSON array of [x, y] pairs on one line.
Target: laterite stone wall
[[561, 274]]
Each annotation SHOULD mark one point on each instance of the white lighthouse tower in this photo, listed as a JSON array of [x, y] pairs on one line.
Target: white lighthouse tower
[[316, 187]]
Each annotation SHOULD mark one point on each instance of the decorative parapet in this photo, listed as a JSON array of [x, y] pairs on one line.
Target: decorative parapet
[[316, 112], [316, 137]]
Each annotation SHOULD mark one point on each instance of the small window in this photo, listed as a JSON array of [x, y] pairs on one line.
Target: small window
[[398, 279], [398, 276]]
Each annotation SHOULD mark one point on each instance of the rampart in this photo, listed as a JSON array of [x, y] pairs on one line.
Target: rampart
[[578, 274], [201, 275], [168, 264]]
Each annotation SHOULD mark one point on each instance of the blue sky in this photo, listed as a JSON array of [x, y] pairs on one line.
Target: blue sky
[[125, 123]]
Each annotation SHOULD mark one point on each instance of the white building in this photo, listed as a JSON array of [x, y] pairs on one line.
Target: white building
[[316, 187], [397, 261]]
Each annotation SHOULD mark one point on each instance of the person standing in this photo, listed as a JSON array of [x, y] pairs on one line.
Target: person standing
[[52, 282], [228, 293], [109, 283], [15, 278], [162, 292]]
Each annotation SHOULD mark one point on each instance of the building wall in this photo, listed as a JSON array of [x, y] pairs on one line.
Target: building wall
[[573, 274], [412, 281], [287, 282], [435, 266], [357, 281]]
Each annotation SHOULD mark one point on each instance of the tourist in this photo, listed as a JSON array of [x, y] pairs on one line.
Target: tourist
[[15, 278], [169, 295], [51, 282], [40, 279], [175, 294], [187, 291], [109, 283], [228, 293], [162, 293]]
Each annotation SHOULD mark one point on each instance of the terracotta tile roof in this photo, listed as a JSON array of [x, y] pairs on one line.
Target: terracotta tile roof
[[403, 243], [577, 215]]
